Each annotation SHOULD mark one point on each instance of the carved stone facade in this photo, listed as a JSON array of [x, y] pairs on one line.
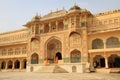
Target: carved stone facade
[[62, 37]]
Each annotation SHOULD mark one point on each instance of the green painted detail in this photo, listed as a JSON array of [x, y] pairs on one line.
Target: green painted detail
[[41, 60], [41, 31], [66, 60], [66, 26], [83, 24], [74, 60]]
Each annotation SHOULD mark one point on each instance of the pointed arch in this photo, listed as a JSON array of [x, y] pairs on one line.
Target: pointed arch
[[75, 40], [3, 65], [59, 55], [34, 58], [75, 56], [10, 64], [17, 64]]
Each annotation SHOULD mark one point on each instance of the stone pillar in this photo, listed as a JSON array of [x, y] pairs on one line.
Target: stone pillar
[[106, 62], [6, 66], [49, 27], [64, 23], [56, 25], [20, 64], [13, 66], [104, 44]]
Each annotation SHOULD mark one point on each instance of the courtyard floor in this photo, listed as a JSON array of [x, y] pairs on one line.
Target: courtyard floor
[[58, 76]]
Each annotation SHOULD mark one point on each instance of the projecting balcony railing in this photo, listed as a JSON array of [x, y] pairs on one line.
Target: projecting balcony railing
[[103, 50]]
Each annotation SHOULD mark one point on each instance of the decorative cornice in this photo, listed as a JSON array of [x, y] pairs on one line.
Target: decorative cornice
[[13, 31], [107, 13]]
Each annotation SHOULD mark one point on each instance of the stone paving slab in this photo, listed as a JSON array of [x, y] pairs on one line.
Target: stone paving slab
[[57, 76]]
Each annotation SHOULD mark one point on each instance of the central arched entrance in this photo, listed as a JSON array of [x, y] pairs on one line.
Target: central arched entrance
[[54, 49]]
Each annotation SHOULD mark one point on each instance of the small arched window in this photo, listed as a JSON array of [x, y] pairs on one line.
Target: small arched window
[[97, 44], [112, 42]]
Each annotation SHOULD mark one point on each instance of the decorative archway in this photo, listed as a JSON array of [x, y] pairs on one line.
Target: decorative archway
[[75, 56], [10, 64], [58, 54], [114, 61], [53, 47], [3, 65], [75, 40], [34, 58], [98, 61], [17, 64]]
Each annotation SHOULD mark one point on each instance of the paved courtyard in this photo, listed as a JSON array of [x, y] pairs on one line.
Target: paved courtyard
[[57, 76]]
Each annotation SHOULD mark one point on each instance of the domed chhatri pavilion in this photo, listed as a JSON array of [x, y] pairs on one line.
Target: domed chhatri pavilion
[[63, 41]]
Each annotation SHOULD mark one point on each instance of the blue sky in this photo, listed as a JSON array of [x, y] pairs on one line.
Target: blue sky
[[15, 13]]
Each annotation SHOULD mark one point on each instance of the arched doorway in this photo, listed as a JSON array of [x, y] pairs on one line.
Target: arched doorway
[[34, 58], [54, 47], [58, 54], [24, 64], [98, 61], [17, 64], [74, 69], [10, 64], [114, 61], [75, 56], [3, 65]]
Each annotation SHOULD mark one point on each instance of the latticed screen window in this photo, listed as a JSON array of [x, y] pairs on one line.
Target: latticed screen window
[[24, 50], [112, 42], [97, 44], [75, 56], [10, 51], [66, 26], [41, 31], [83, 24], [4, 52], [34, 59], [37, 29], [17, 51]]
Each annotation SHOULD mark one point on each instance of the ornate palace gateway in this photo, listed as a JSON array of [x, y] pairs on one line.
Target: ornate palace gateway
[[63, 41]]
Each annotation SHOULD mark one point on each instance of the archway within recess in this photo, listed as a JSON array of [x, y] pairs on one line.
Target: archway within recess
[[99, 61], [75, 56], [114, 61], [34, 58], [53, 47], [3, 65], [17, 64], [58, 54], [10, 64]]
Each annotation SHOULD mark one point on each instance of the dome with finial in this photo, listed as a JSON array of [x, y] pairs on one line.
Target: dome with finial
[[75, 7], [36, 18]]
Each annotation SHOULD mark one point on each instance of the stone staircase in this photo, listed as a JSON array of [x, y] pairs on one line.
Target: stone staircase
[[51, 69], [115, 70], [58, 69]]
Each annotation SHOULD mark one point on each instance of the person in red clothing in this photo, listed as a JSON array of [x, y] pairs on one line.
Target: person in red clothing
[[56, 59]]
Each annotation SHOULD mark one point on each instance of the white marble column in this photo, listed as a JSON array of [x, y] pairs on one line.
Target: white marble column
[[106, 62]]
